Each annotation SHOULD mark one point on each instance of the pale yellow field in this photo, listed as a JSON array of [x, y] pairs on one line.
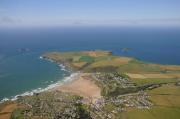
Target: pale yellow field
[[166, 100], [112, 62], [153, 76], [153, 113], [167, 67], [166, 89], [79, 64], [177, 75], [97, 53], [136, 76], [6, 111], [158, 76], [167, 95]]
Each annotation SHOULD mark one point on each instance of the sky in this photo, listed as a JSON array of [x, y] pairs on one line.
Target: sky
[[89, 12]]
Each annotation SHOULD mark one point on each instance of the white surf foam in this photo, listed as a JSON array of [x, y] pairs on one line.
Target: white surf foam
[[39, 90], [40, 57], [49, 87], [63, 67]]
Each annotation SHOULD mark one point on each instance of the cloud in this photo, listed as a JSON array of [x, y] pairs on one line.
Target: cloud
[[128, 22], [14, 21], [144, 21], [8, 20]]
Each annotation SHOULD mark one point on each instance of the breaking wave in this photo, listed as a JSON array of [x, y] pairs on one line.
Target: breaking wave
[[39, 90]]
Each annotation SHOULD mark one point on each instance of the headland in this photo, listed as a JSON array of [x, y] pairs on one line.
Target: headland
[[106, 86]]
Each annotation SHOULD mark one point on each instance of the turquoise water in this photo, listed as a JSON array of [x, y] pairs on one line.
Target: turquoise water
[[24, 71]]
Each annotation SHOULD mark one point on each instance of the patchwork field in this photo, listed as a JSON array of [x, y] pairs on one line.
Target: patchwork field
[[159, 82], [168, 67], [154, 113], [105, 61], [111, 62], [153, 76], [166, 96], [166, 100], [6, 110], [154, 81]]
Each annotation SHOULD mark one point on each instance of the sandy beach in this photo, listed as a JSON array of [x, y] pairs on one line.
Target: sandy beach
[[82, 86]]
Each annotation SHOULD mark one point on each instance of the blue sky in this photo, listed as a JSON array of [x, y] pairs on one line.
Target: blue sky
[[89, 12]]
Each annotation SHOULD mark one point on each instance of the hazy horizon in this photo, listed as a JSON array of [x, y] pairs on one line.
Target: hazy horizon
[[35, 13]]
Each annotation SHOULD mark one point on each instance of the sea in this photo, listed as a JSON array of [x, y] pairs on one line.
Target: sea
[[23, 72]]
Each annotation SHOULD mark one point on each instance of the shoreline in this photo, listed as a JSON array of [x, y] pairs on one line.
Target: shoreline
[[49, 87], [79, 84], [40, 90], [63, 65], [82, 85]]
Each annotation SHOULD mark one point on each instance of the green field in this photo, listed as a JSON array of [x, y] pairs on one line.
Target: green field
[[154, 113], [105, 61], [166, 100], [124, 79], [140, 82]]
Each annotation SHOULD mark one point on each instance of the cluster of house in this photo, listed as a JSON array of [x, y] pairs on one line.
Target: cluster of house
[[139, 99]]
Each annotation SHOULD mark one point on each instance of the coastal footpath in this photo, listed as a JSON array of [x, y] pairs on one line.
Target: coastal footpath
[[106, 86]]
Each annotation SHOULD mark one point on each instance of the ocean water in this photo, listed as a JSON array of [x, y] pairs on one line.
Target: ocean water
[[22, 71]]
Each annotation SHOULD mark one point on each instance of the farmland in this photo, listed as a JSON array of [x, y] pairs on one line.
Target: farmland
[[127, 88]]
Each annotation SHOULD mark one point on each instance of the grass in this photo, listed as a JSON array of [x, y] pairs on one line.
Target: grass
[[168, 67], [154, 113], [111, 62], [86, 59], [109, 107], [166, 100], [79, 65], [133, 67], [7, 109], [154, 76], [167, 95], [166, 89], [97, 53], [106, 61], [140, 82]]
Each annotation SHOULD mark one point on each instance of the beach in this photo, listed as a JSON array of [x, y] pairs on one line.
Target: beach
[[82, 85], [32, 72]]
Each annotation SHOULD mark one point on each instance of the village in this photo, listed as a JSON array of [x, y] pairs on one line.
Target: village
[[109, 107]]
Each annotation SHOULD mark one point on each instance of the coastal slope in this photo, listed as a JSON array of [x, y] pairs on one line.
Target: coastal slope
[[107, 87]]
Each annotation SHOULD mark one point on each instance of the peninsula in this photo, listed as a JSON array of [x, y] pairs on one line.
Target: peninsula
[[106, 86]]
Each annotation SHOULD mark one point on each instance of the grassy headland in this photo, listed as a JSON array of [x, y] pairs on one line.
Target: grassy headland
[[123, 87]]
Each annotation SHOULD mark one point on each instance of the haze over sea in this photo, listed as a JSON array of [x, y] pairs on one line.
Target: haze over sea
[[22, 71]]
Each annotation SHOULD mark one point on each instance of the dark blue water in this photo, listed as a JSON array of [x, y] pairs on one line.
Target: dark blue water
[[23, 71]]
